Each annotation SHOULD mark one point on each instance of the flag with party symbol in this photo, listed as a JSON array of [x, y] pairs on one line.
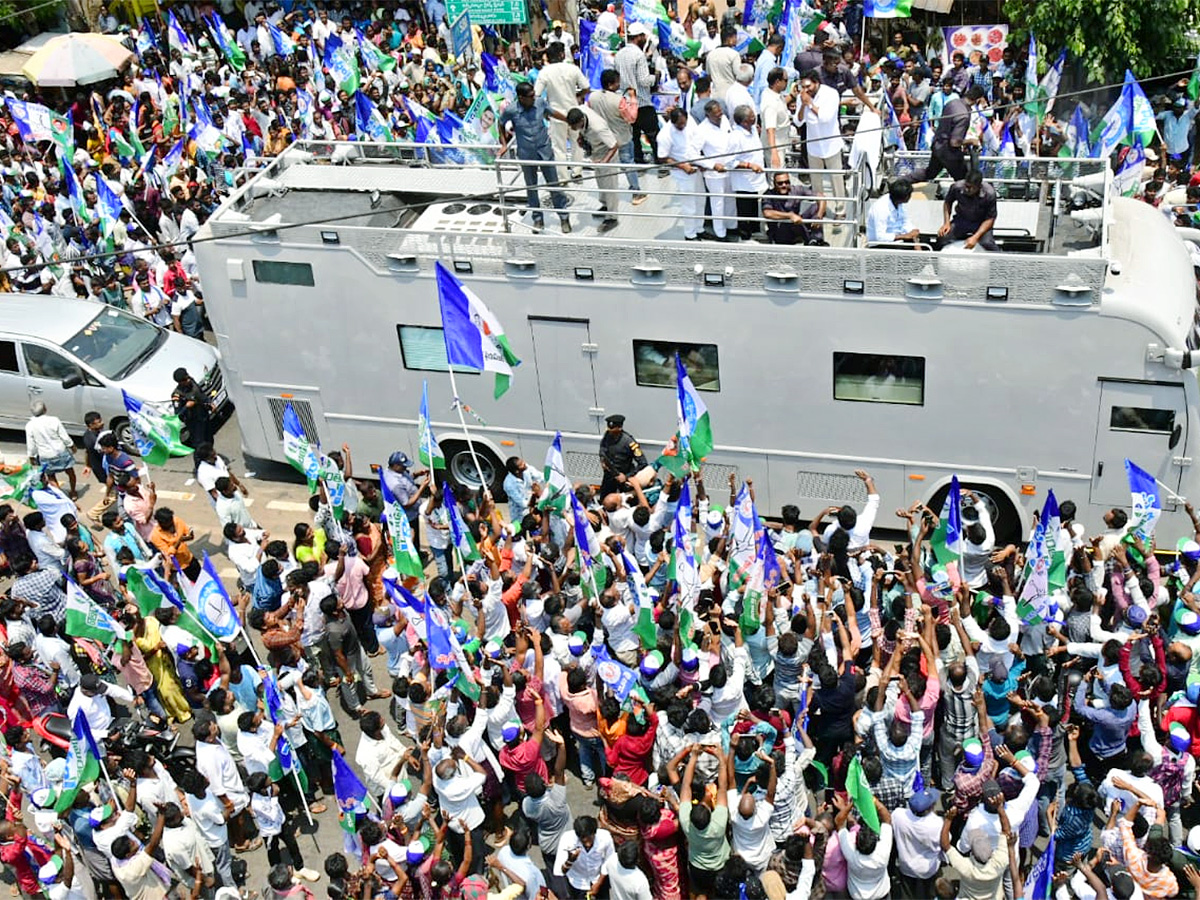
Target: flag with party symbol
[[404, 548], [155, 434], [82, 764], [557, 484], [429, 451]]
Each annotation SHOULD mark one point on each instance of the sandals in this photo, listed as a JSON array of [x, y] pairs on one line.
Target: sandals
[[380, 695], [251, 846], [317, 808]]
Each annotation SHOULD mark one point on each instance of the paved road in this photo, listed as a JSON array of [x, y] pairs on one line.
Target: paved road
[[278, 499]]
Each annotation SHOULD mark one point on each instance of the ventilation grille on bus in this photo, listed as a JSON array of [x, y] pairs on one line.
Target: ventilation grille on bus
[[303, 411], [586, 467], [823, 486]]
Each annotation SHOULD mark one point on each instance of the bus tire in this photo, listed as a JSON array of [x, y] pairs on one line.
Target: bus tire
[[460, 467], [1006, 517]]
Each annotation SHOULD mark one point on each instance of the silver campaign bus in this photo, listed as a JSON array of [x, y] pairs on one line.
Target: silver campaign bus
[[1039, 367]]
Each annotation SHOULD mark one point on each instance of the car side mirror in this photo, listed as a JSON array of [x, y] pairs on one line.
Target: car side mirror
[[74, 380]]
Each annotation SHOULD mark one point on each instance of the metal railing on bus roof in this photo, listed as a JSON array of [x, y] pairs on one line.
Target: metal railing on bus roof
[[851, 219]]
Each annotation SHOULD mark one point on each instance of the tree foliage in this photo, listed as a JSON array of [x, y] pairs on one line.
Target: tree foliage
[[1148, 37]]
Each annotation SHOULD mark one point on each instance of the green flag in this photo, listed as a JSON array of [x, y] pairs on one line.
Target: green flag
[[82, 763], [86, 619], [20, 484], [429, 451], [859, 790], [63, 134], [144, 595], [156, 433], [558, 486], [1193, 85]]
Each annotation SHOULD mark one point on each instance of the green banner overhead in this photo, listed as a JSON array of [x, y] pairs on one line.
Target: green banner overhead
[[491, 12]]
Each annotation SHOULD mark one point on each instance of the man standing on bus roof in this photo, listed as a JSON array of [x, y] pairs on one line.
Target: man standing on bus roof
[[620, 456], [407, 491]]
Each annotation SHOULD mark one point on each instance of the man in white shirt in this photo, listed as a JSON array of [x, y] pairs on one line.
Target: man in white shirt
[[866, 853], [45, 437], [582, 853], [775, 120], [857, 524], [626, 881], [817, 107], [888, 220], [563, 84], [214, 762], [746, 178], [676, 147], [722, 62], [738, 93], [92, 697], [751, 821], [458, 781], [618, 619], [245, 547], [379, 754], [917, 832], [712, 145]]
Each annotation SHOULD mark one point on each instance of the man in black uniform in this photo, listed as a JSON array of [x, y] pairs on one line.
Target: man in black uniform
[[947, 150], [620, 456]]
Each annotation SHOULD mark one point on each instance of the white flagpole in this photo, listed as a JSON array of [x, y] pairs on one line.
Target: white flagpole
[[1174, 496], [483, 484]]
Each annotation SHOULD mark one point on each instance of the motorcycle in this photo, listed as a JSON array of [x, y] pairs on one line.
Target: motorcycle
[[142, 732]]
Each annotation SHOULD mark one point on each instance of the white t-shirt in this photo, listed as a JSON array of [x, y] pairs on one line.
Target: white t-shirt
[[752, 839], [626, 884], [207, 473], [618, 624], [867, 874]]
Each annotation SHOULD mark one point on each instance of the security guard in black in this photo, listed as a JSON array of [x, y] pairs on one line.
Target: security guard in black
[[620, 456]]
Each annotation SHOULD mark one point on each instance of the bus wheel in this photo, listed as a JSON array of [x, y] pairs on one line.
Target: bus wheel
[[1006, 520], [460, 466]]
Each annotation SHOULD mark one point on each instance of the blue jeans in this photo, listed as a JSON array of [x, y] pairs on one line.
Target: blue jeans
[[443, 558], [592, 764], [625, 155], [529, 170], [153, 704]]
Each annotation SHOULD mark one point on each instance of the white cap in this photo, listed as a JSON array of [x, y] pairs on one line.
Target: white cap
[[635, 29]]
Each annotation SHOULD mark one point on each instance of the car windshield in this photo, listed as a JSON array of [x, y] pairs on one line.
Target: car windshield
[[115, 343]]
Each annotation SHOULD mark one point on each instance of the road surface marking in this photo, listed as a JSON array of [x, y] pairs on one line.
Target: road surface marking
[[288, 506], [176, 495]]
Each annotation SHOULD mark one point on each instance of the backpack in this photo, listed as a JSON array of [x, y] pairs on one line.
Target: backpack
[[627, 106]]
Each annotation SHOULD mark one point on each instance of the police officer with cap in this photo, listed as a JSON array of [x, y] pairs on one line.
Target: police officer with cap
[[620, 456], [404, 486]]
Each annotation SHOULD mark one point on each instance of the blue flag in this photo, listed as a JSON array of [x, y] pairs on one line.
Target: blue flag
[[667, 38], [284, 45], [211, 602], [954, 526], [438, 638], [589, 53], [174, 157], [108, 203], [176, 30], [351, 793], [1041, 876], [497, 78], [407, 602], [368, 118], [583, 534], [1081, 139], [1146, 501], [460, 537], [620, 678]]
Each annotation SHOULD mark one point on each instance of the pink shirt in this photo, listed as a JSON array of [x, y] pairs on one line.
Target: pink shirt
[[834, 869], [582, 708], [929, 702], [351, 588]]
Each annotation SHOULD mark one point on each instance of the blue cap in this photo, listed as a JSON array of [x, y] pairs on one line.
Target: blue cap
[[399, 458], [652, 663], [511, 730], [577, 643]]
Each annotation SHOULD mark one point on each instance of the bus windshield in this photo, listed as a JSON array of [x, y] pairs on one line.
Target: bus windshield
[[115, 343]]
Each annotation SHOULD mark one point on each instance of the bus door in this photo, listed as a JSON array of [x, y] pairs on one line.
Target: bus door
[[562, 357], [1146, 422]]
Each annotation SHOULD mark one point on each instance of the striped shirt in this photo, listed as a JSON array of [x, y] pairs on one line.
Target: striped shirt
[[958, 707], [900, 762], [1153, 884]]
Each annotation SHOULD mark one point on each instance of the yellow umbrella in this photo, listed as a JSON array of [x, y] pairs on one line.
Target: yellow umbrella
[[77, 58]]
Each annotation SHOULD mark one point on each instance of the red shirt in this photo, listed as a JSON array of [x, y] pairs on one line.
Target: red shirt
[[630, 755], [522, 759]]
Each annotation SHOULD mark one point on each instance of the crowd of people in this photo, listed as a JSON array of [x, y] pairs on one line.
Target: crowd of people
[[814, 713], [663, 694], [108, 214]]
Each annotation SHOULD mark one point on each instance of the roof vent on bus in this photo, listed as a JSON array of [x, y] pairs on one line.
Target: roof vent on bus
[[521, 268], [403, 263], [454, 209], [783, 281], [1072, 292], [648, 272], [925, 285]]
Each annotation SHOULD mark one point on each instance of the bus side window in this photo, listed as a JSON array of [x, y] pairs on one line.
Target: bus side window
[[654, 364], [879, 378], [1134, 418]]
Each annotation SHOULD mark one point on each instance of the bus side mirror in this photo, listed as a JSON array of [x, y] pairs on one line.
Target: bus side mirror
[[74, 380]]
